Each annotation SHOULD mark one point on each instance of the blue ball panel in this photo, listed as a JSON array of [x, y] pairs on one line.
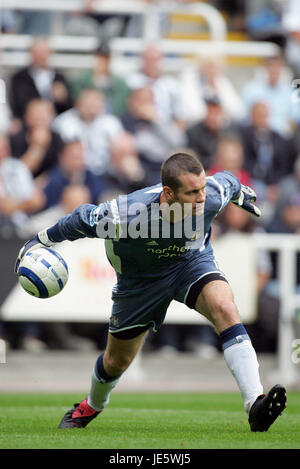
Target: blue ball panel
[[59, 258], [35, 280]]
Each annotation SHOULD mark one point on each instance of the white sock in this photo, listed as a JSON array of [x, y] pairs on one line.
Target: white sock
[[100, 391], [242, 361]]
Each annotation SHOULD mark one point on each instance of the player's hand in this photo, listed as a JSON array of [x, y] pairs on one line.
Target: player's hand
[[40, 240], [246, 200]]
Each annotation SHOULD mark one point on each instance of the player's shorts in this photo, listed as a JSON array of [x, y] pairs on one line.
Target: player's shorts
[[139, 304]]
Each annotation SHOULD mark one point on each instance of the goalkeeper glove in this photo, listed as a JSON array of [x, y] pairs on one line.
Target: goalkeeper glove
[[246, 199], [39, 241]]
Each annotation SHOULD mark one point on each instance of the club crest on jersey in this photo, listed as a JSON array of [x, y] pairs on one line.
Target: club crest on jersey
[[197, 235], [114, 321]]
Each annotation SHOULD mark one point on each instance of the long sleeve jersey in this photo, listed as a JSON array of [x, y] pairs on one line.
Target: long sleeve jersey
[[139, 240]]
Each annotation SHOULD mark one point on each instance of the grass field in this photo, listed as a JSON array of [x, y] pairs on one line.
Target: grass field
[[144, 421]]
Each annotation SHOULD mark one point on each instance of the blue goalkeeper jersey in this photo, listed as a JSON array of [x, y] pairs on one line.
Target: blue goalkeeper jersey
[[138, 241]]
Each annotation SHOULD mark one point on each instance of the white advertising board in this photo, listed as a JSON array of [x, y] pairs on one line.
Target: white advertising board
[[87, 295]]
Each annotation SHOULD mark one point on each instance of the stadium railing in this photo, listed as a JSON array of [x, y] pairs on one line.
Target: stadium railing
[[287, 247], [150, 11], [15, 47]]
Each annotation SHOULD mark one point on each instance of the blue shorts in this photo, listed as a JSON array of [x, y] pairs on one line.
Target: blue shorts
[[143, 303]]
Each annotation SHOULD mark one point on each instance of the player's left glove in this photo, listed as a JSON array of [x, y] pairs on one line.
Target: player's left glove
[[246, 199], [40, 240]]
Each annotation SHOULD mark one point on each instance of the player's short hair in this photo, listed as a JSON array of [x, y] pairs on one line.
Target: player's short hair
[[177, 164]]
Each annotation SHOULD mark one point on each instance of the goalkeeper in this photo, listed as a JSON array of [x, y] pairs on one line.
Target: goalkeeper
[[159, 257]]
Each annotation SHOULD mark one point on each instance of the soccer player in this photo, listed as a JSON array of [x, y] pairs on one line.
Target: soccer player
[[156, 262]]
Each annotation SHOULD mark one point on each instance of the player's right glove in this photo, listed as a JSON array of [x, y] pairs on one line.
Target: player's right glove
[[246, 199], [40, 240]]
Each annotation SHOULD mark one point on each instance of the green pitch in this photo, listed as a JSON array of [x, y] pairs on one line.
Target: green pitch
[[140, 421]]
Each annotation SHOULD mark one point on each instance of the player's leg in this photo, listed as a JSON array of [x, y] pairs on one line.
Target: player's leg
[[109, 367], [118, 355], [137, 306], [215, 302]]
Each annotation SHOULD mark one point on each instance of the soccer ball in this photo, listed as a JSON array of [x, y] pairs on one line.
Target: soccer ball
[[43, 272]]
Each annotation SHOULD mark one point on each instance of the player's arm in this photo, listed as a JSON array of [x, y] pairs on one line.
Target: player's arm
[[81, 223], [231, 190]]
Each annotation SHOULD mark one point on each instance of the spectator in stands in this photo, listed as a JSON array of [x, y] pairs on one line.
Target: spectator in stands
[[230, 157], [69, 185], [235, 13], [18, 194], [286, 220], [70, 195], [268, 156], [203, 136], [39, 80], [166, 89], [101, 78], [154, 136], [110, 24], [273, 86], [71, 170], [36, 144], [209, 81], [291, 27], [263, 21], [287, 211], [89, 123], [125, 173]]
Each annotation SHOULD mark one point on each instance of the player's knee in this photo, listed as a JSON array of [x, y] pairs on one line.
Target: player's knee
[[225, 311], [117, 364]]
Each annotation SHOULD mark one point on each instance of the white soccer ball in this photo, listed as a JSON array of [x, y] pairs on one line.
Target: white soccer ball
[[43, 272]]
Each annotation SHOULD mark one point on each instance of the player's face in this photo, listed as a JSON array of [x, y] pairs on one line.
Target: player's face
[[192, 191]]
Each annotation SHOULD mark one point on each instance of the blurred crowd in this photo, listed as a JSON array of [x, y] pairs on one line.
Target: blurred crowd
[[66, 140]]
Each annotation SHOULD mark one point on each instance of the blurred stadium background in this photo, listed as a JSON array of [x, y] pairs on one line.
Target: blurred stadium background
[[94, 95]]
